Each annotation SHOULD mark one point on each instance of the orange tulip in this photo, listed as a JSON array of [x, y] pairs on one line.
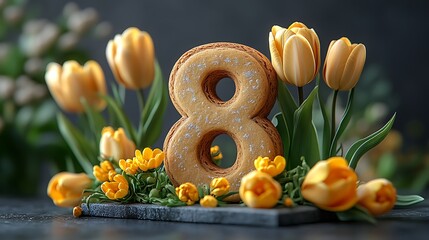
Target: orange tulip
[[66, 189], [259, 190], [377, 196], [115, 144]]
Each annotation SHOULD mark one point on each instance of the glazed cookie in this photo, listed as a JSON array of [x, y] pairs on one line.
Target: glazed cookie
[[205, 116]]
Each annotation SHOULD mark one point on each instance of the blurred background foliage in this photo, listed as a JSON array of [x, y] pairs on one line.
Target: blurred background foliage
[[393, 79], [30, 143]]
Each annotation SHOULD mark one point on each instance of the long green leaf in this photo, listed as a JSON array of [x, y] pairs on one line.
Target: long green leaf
[[280, 123], [356, 214], [150, 126], [406, 200], [287, 104], [77, 143], [95, 120], [304, 140], [362, 146], [121, 117], [326, 141], [343, 124]]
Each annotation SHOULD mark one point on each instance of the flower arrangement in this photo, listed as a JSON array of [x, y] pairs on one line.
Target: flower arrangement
[[308, 173]]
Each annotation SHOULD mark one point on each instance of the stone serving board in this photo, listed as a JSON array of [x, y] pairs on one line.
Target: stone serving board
[[230, 215]]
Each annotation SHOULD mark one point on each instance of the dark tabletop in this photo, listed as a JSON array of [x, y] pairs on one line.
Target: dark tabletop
[[40, 219]]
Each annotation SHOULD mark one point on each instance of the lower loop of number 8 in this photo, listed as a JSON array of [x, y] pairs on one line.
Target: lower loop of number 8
[[205, 116]]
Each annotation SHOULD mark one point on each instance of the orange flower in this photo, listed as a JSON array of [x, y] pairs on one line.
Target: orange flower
[[331, 185], [116, 144], [116, 189], [149, 159], [208, 201], [219, 186], [377, 196], [274, 167], [101, 173], [128, 166], [188, 193], [66, 189], [259, 190]]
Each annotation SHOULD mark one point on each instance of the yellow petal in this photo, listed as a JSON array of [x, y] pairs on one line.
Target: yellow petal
[[353, 67], [276, 59], [146, 58], [318, 173], [336, 59]]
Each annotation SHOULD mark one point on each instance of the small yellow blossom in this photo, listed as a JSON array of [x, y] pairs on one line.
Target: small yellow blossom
[[274, 167], [128, 166], [101, 173], [149, 159], [77, 212], [188, 193], [259, 190], [116, 189], [219, 186], [215, 153], [208, 201], [288, 202]]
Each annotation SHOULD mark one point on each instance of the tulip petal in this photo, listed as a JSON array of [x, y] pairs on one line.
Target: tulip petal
[[146, 57], [319, 172], [353, 67], [298, 61], [276, 59], [110, 55], [336, 59]]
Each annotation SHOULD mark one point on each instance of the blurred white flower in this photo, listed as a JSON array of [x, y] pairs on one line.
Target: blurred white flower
[[7, 87], [34, 65], [38, 36], [81, 21], [68, 41], [13, 14], [69, 9], [28, 91], [103, 29]]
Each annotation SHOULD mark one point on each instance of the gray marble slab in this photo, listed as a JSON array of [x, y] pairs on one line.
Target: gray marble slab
[[231, 215]]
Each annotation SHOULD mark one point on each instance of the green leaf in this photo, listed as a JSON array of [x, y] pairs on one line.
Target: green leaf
[[356, 214], [304, 140], [121, 117], [150, 126], [280, 123], [326, 141], [343, 124], [362, 146], [80, 147], [287, 104], [95, 120], [406, 200], [118, 94]]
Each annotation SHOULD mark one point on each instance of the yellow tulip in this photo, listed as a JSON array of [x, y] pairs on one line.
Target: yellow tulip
[[208, 201], [331, 185], [343, 64], [295, 53], [115, 144], [148, 159], [101, 173], [71, 82], [273, 167], [188, 193], [131, 57], [219, 186], [117, 188], [259, 190], [66, 189], [377, 196]]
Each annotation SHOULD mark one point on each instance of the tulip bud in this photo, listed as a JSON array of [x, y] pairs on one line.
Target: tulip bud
[[377, 196], [131, 57], [343, 64], [219, 186], [208, 201], [115, 144], [188, 193], [259, 190], [331, 185], [71, 82], [66, 189], [295, 53]]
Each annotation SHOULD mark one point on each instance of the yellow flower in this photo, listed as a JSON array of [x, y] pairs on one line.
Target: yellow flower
[[66, 189], [115, 144], [101, 173], [377, 196], [208, 201], [71, 82], [116, 189], [331, 185], [274, 167], [129, 166], [259, 190], [343, 64], [188, 193], [131, 57], [149, 159], [288, 202], [77, 212], [295, 53], [219, 186], [215, 153]]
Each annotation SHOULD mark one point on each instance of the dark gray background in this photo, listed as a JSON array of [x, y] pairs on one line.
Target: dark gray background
[[394, 32]]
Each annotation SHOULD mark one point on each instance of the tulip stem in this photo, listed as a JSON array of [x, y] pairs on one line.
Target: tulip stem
[[140, 96], [300, 95], [334, 102]]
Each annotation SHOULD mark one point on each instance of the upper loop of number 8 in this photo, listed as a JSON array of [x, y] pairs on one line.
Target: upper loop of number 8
[[204, 115]]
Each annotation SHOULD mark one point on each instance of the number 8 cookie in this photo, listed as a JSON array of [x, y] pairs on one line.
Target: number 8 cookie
[[204, 115]]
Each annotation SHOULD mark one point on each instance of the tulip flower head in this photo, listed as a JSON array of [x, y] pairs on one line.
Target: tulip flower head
[[259, 190], [295, 53], [377, 196], [331, 185], [116, 144], [219, 186], [343, 64], [208, 201], [188, 193], [66, 189], [131, 57], [71, 82]]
